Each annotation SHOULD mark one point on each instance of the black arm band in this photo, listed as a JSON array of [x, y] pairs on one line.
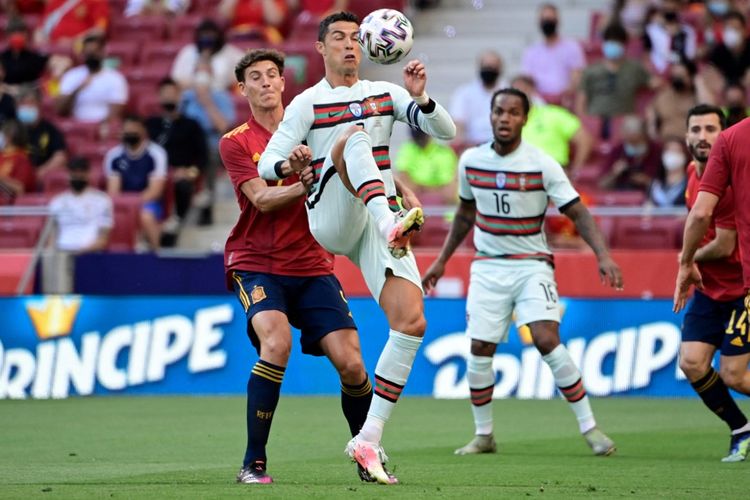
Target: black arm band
[[569, 204], [428, 108], [277, 169]]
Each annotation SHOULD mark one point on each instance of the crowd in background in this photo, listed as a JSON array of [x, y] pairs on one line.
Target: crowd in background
[[136, 94]]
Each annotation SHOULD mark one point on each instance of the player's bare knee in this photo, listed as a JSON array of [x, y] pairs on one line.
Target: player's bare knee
[[277, 347], [731, 376], [413, 324], [482, 348], [352, 371], [693, 368]]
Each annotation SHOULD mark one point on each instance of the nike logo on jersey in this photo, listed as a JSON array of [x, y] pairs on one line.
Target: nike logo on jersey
[[331, 114]]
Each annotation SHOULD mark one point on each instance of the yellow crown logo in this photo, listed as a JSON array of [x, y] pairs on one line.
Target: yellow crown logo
[[53, 316]]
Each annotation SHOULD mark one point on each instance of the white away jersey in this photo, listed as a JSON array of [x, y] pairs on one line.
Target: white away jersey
[[511, 194], [320, 114]]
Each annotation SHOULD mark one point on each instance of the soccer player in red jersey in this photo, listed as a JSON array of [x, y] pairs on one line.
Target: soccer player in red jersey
[[715, 317], [280, 274]]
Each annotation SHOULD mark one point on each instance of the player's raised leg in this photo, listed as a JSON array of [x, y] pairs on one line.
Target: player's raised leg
[[357, 169], [568, 380], [481, 377]]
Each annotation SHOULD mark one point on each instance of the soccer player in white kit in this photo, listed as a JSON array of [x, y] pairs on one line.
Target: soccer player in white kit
[[342, 127], [504, 187]]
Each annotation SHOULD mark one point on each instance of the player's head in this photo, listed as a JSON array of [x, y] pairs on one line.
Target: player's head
[[260, 77], [704, 124], [133, 131], [510, 109], [337, 43]]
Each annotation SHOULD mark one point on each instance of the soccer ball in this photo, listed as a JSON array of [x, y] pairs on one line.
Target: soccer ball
[[386, 36]]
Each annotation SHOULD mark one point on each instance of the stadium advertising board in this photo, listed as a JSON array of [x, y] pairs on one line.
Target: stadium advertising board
[[60, 346]]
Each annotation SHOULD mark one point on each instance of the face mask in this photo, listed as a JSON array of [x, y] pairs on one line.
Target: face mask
[[633, 151], [78, 185], [548, 27], [679, 84], [131, 140], [670, 16], [93, 63], [732, 38], [169, 107], [718, 9], [489, 76], [736, 109], [672, 160], [17, 41], [27, 114], [207, 43], [613, 50]]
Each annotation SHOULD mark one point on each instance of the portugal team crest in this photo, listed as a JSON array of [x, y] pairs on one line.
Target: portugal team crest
[[356, 109], [500, 179], [257, 294], [522, 182]]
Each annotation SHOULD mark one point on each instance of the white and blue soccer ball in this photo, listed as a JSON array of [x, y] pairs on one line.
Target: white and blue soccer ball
[[386, 36]]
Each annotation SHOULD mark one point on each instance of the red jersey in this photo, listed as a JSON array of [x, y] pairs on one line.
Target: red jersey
[[722, 278], [277, 242], [73, 21], [729, 163]]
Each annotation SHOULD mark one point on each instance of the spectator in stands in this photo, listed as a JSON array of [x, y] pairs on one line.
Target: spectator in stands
[[92, 93], [709, 34], [471, 101], [165, 8], [7, 102], [668, 189], [139, 166], [318, 8], [185, 143], [70, 20], [609, 88], [553, 128], [731, 57], [15, 8], [634, 163], [666, 113], [82, 214], [429, 167], [735, 104], [21, 63], [669, 40], [209, 61], [16, 172], [254, 19], [46, 142], [554, 63], [632, 15]]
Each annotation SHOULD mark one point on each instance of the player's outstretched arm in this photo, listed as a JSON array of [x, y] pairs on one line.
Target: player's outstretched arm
[[415, 107], [609, 271], [462, 224]]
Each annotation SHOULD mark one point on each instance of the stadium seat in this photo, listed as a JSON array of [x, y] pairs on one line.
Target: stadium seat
[[146, 103], [293, 85], [311, 65], [648, 233], [21, 232], [364, 7], [127, 52], [127, 209], [182, 29], [304, 27], [75, 131], [161, 53], [432, 234], [32, 200], [618, 198], [138, 28]]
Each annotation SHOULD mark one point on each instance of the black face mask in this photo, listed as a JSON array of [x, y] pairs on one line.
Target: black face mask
[[736, 110], [489, 76], [169, 107], [208, 43], [548, 27], [78, 185], [131, 140], [93, 63], [670, 16], [679, 84]]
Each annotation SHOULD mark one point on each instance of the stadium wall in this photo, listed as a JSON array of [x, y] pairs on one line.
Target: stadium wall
[[61, 346]]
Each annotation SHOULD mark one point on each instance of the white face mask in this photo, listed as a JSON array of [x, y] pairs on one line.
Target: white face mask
[[732, 37], [672, 160]]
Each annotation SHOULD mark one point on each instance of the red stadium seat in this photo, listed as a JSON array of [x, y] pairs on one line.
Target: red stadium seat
[[618, 198], [147, 77], [432, 234], [311, 65], [642, 233], [364, 7], [139, 28], [305, 27], [161, 53], [21, 232], [32, 200], [146, 104], [293, 85], [127, 52], [75, 131], [127, 212], [183, 27]]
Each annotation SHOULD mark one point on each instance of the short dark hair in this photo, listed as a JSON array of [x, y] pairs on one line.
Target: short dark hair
[[166, 81], [349, 17], [511, 91], [134, 117], [79, 164], [707, 109], [94, 38], [615, 32], [255, 55], [734, 14]]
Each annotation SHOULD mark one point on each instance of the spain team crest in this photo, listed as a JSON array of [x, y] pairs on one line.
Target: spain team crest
[[500, 180], [257, 294], [356, 109]]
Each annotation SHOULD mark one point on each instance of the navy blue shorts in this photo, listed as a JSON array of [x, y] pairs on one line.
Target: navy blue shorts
[[315, 305], [721, 324]]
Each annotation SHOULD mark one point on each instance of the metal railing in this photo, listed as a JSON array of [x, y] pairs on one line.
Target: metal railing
[[44, 235]]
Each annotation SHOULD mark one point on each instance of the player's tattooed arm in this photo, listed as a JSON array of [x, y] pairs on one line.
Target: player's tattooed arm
[[609, 271], [462, 224]]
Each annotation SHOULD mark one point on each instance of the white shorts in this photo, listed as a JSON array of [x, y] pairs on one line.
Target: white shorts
[[499, 286], [341, 223]]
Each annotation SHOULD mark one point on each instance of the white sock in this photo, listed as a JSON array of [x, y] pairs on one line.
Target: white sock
[[568, 380], [391, 373], [367, 180], [481, 384], [744, 428]]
